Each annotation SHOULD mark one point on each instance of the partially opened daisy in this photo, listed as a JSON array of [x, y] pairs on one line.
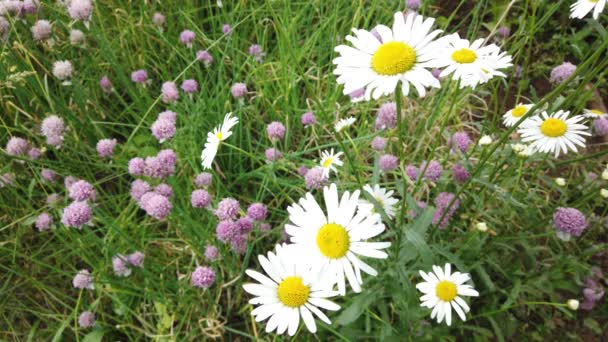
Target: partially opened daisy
[[594, 114], [442, 292], [290, 290], [471, 63], [215, 138], [554, 133], [329, 161], [335, 242], [343, 123], [401, 54], [582, 7], [513, 115], [384, 198]]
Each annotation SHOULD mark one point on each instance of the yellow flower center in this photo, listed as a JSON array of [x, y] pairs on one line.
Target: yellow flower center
[[595, 111], [446, 291], [553, 127], [219, 135], [292, 292], [464, 56], [519, 111], [333, 240], [393, 58], [328, 162]]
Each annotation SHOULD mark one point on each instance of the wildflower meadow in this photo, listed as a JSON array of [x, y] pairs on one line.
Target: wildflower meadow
[[278, 170]]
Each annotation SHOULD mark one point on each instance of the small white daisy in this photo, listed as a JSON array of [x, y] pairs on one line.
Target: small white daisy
[[343, 123], [329, 161], [333, 243], [471, 63], [384, 199], [594, 114], [442, 290], [512, 116], [401, 54], [290, 290], [554, 133], [215, 138], [582, 7]]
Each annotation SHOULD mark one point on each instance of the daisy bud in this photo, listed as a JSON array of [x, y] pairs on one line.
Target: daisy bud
[[604, 193], [481, 226], [485, 140], [560, 181], [605, 174], [573, 304]]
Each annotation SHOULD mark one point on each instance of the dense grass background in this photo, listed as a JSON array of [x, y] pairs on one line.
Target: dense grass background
[[522, 271]]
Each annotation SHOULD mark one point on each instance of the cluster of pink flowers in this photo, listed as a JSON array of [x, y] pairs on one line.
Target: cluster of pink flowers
[[387, 116], [163, 128], [121, 264], [52, 128], [233, 228], [79, 212], [431, 172]]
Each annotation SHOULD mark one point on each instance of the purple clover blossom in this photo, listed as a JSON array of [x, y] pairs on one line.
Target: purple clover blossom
[[244, 224], [357, 95], [76, 215], [105, 147], [238, 90], [226, 230], [379, 144], [136, 259], [460, 173], [157, 206], [203, 277], [203, 180], [257, 212], [169, 92], [164, 189], [303, 170], [69, 180], [412, 172], [275, 130], [119, 265], [158, 19], [52, 128], [600, 126], [211, 253], [238, 244], [562, 72], [189, 86], [569, 222], [139, 188], [86, 319], [308, 119], [80, 10], [82, 191], [256, 51], [387, 116], [105, 84], [44, 221], [187, 37], [34, 153], [205, 57], [504, 32], [163, 130], [17, 146], [315, 178], [136, 166], [264, 227], [227, 209], [273, 154], [433, 170], [461, 141], [200, 199], [412, 4], [83, 280], [48, 175], [388, 162], [226, 29], [441, 202], [167, 115], [139, 76], [42, 30]]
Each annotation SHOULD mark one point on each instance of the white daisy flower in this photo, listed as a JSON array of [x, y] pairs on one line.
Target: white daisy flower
[[471, 63], [554, 132], [442, 292], [594, 114], [582, 7], [343, 123], [383, 197], [329, 161], [402, 54], [512, 116], [215, 138], [333, 243], [290, 290]]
